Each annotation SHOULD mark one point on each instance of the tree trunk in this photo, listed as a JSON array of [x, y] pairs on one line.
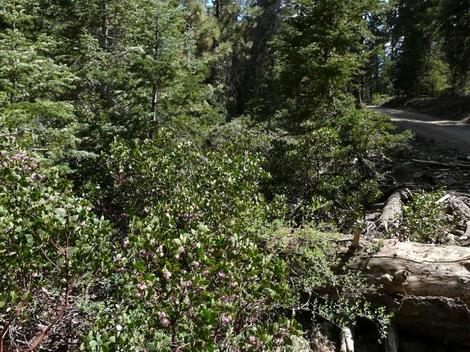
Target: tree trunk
[[347, 340], [391, 344]]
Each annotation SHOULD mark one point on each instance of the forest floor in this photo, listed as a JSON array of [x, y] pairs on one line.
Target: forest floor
[[436, 158]]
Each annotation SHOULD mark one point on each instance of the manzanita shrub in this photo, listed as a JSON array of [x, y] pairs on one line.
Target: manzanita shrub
[[196, 264], [319, 283], [190, 273], [52, 247]]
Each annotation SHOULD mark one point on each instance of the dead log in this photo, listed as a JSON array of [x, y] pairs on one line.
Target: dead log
[[426, 286], [422, 269], [392, 212]]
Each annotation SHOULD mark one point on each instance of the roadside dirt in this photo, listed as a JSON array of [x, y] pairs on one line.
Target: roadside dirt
[[437, 158]]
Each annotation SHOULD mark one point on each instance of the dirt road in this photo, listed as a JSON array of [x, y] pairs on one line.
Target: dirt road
[[454, 134]]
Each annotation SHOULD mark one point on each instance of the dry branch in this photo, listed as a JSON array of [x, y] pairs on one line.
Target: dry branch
[[34, 345]]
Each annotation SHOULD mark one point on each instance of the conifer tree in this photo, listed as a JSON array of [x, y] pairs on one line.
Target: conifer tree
[[412, 41], [318, 52], [35, 110], [454, 24]]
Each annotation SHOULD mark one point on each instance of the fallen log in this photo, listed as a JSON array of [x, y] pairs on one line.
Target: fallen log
[[392, 212], [422, 269], [427, 287]]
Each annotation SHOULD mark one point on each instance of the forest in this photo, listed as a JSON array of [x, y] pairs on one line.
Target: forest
[[214, 175]]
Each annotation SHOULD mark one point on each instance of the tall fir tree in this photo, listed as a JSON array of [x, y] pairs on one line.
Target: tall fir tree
[[36, 112], [454, 23], [412, 37], [319, 50]]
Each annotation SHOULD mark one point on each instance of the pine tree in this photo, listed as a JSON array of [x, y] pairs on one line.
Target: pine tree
[[252, 59], [413, 36], [164, 76], [375, 78], [318, 53], [35, 111]]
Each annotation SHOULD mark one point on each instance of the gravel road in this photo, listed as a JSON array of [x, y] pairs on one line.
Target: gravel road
[[454, 134]]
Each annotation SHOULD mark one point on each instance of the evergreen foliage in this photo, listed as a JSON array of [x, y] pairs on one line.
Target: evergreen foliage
[[430, 46], [168, 168], [453, 21]]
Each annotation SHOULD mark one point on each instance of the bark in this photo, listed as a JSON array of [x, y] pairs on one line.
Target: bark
[[104, 25], [217, 9], [422, 270], [426, 286], [392, 212], [358, 97], [460, 208], [154, 97]]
